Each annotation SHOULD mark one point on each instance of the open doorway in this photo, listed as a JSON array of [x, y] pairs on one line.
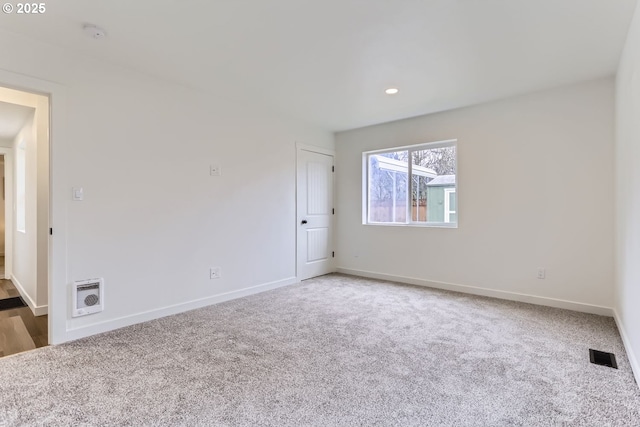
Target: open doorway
[[24, 220]]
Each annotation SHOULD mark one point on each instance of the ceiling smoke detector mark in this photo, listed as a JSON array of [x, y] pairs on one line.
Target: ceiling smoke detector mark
[[94, 32], [214, 273]]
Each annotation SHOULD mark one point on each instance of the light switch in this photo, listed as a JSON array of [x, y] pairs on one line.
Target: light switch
[[78, 193]]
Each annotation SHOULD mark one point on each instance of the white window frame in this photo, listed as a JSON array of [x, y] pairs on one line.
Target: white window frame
[[447, 203], [410, 148]]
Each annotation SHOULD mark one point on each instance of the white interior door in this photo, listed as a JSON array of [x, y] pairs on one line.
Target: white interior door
[[315, 214]]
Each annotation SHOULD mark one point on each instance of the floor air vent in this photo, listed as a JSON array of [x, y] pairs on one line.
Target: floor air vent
[[9, 303], [603, 358]]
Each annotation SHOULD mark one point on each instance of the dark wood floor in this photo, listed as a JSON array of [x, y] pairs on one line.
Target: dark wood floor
[[20, 330]]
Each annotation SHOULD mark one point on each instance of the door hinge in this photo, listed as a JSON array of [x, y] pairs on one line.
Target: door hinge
[[333, 211], [51, 232], [333, 168], [333, 254]]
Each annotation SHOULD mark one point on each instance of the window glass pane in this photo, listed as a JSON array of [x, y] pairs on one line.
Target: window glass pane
[[388, 198], [434, 174], [421, 175]]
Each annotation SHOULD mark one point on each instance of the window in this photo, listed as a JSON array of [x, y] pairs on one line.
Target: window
[[413, 185]]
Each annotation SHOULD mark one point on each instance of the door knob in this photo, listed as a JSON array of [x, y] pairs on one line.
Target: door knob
[[303, 222]]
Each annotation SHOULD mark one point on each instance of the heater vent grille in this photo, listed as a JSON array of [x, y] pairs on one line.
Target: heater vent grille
[[88, 297]]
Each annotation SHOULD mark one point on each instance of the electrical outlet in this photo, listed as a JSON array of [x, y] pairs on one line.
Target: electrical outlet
[[214, 273], [215, 170], [541, 273]]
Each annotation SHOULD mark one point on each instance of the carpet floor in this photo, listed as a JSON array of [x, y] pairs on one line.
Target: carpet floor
[[333, 351]]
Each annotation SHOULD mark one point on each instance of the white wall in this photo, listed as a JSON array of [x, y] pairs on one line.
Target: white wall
[[2, 203], [30, 251], [25, 243], [535, 179], [7, 213], [153, 221], [6, 142], [30, 248], [628, 195]]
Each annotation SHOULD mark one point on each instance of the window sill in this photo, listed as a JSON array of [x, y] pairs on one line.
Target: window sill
[[414, 224]]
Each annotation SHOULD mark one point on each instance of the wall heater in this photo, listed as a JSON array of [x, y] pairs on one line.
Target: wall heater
[[88, 297]]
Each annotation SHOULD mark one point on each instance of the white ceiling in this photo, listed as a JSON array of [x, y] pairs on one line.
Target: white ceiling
[[328, 61], [12, 118]]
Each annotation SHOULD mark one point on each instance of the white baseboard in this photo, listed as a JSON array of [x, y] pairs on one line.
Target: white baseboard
[[512, 296], [109, 325], [633, 360], [38, 310]]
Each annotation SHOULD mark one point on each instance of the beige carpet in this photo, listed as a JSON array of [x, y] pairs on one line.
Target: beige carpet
[[333, 351]]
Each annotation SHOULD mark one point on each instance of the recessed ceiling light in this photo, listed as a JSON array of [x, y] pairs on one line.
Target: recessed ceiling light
[[391, 91]]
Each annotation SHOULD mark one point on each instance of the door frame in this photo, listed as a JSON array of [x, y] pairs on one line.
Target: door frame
[[318, 150], [58, 300], [8, 211]]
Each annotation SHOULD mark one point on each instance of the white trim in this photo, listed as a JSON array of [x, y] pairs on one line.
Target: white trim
[[415, 224], [365, 196], [8, 211], [314, 149], [20, 182], [494, 293], [633, 360], [418, 146], [109, 325], [447, 204], [58, 194], [37, 310]]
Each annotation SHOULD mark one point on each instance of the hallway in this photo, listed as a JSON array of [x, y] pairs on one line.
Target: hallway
[[20, 330]]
